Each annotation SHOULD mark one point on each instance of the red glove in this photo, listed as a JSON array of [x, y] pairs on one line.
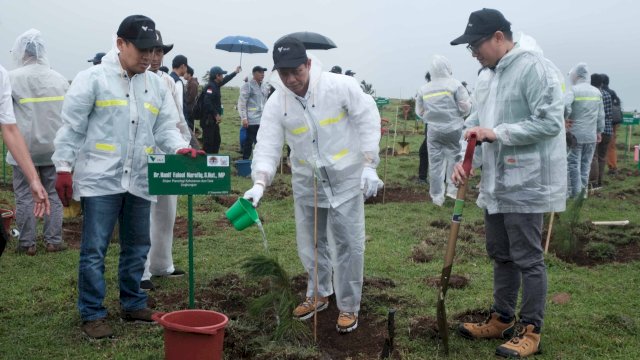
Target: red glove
[[64, 187], [190, 151]]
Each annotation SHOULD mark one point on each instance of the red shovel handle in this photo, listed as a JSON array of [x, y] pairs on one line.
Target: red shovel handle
[[468, 154]]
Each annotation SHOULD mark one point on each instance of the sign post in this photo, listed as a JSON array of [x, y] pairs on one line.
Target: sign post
[[182, 175], [629, 119]]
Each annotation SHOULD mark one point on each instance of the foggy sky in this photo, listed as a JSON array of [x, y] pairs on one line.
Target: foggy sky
[[387, 43]]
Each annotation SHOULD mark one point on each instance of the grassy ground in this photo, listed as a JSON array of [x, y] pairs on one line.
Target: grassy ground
[[39, 319]]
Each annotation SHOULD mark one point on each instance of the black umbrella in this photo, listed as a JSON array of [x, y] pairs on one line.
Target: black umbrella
[[312, 41]]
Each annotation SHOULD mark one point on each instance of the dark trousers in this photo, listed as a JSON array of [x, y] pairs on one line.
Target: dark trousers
[[247, 147], [424, 158], [599, 160], [210, 136]]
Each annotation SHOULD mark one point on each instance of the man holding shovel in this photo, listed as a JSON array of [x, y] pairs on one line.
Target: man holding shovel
[[333, 129], [519, 118]]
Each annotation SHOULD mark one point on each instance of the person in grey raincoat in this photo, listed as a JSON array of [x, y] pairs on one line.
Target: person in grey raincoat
[[584, 111], [333, 129], [442, 103], [253, 95], [38, 92], [518, 117], [114, 115]]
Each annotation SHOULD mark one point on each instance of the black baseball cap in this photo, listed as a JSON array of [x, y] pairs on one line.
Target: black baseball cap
[[140, 30], [216, 70], [97, 59], [336, 69], [289, 52], [482, 23], [349, 73], [165, 48], [258, 68]]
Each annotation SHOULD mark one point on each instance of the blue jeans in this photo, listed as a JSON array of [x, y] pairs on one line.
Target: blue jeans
[[100, 215], [578, 166]]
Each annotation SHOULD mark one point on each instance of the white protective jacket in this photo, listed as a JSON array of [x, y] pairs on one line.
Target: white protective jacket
[[525, 169], [110, 124], [443, 102], [583, 104], [251, 101], [37, 93], [335, 134]]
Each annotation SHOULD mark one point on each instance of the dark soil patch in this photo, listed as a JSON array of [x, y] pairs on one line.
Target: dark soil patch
[[284, 168], [225, 200], [278, 190], [439, 224], [379, 283], [420, 254], [477, 229], [623, 240], [423, 327], [223, 222], [181, 228], [8, 186], [472, 316], [72, 232], [455, 281], [399, 194]]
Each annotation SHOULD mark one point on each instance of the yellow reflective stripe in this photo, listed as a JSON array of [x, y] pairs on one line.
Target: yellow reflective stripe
[[340, 155], [105, 147], [332, 120], [563, 87], [588, 98], [300, 130], [441, 93], [154, 110], [301, 162], [149, 150], [105, 103], [41, 99], [253, 109]]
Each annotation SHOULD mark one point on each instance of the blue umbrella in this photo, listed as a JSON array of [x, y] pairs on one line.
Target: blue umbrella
[[242, 44]]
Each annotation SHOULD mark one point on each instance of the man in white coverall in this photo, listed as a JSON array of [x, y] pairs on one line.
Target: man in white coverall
[[38, 92], [333, 129], [163, 212], [442, 103]]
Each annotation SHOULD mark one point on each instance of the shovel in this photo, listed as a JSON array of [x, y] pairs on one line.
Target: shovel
[[443, 329], [387, 349]]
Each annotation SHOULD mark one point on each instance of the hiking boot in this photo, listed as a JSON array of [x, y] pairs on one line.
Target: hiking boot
[[492, 328], [147, 285], [142, 315], [306, 309], [56, 247], [97, 329], [525, 342], [347, 322], [28, 250]]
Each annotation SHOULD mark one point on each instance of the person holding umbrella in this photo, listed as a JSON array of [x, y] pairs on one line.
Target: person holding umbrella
[[212, 102], [333, 129], [519, 118]]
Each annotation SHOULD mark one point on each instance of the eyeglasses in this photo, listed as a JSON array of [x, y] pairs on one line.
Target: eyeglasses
[[473, 48]]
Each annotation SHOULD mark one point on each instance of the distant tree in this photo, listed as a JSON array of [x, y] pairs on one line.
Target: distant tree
[[367, 88], [205, 78]]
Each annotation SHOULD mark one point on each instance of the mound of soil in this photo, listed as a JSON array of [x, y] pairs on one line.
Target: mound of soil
[[420, 254], [423, 327], [399, 194], [455, 281], [439, 224], [225, 200], [181, 229], [72, 232], [472, 316]]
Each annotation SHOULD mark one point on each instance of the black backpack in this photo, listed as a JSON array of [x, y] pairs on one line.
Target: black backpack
[[616, 114], [197, 113]]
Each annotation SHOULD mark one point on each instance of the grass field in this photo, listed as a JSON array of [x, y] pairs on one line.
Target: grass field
[[601, 320]]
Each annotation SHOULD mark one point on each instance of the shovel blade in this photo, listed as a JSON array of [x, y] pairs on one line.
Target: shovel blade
[[443, 328]]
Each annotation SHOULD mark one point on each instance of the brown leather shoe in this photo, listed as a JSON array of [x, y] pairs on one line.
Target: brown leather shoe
[[28, 250], [307, 308], [142, 315], [525, 342], [97, 329], [347, 322], [491, 328], [56, 247]]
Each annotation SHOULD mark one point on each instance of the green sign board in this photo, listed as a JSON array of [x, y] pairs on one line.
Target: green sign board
[[630, 119], [380, 101], [183, 175]]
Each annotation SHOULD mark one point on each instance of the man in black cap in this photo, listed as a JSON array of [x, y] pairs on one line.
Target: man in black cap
[[349, 73], [519, 117], [336, 69], [113, 115], [212, 112], [333, 129], [97, 59], [253, 95]]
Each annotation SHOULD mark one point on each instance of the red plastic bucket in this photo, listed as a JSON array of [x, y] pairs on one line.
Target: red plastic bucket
[[192, 334], [7, 217]]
